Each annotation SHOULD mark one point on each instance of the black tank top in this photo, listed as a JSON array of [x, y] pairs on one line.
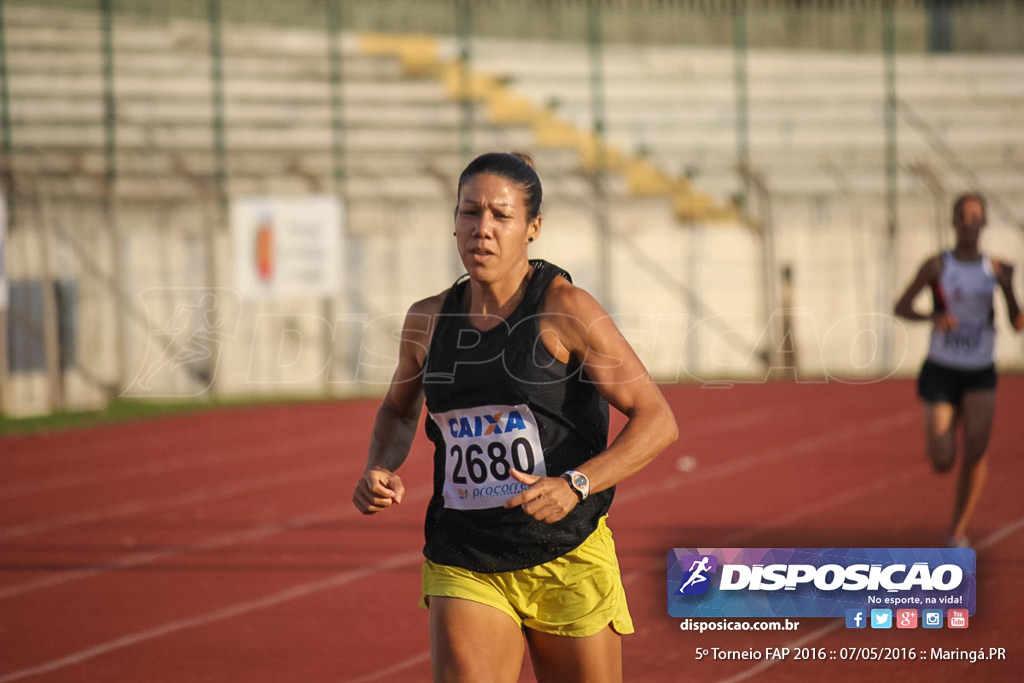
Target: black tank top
[[496, 399]]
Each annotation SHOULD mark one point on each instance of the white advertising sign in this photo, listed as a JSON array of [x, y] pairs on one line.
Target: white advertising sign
[[3, 253], [285, 247]]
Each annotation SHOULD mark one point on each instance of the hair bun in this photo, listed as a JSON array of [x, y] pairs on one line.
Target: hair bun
[[526, 158]]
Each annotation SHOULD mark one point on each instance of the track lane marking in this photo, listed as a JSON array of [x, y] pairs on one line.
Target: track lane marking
[[295, 592], [255, 533], [774, 456], [805, 446], [396, 668], [196, 495], [169, 465]]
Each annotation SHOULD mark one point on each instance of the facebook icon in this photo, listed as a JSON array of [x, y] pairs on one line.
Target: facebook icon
[[856, 618]]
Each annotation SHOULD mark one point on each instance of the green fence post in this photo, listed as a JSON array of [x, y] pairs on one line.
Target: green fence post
[[217, 81], [892, 188], [594, 41], [109, 102], [739, 45], [338, 151], [464, 30], [352, 254], [215, 17], [5, 121], [110, 175], [7, 185]]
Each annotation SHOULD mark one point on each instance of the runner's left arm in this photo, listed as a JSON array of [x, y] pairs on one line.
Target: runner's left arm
[[579, 327], [1004, 276]]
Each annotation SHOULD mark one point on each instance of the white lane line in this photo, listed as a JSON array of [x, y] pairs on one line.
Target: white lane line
[[192, 497], [295, 592], [143, 558], [829, 503], [1000, 534], [736, 539], [255, 533], [806, 446], [389, 672], [249, 535], [799, 642], [770, 456], [165, 465]]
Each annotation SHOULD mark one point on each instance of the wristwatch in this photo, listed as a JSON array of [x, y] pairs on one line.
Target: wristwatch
[[579, 483]]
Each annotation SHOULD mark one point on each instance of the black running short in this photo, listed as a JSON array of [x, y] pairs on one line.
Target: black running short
[[941, 384]]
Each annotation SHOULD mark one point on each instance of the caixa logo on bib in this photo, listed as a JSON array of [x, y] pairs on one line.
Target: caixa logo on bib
[[816, 582], [465, 426]]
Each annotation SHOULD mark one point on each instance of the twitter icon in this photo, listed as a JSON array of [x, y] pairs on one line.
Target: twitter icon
[[881, 618]]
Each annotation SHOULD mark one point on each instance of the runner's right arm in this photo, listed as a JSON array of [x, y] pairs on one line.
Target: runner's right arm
[[904, 308], [399, 414]]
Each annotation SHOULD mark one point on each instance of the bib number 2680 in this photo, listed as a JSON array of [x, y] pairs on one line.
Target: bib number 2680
[[497, 462], [482, 446]]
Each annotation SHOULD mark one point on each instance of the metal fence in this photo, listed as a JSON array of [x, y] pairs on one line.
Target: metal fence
[[743, 185]]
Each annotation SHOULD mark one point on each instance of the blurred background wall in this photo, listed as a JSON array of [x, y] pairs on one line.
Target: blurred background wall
[[231, 198]]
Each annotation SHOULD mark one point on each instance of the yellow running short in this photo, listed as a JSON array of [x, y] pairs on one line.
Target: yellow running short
[[577, 594]]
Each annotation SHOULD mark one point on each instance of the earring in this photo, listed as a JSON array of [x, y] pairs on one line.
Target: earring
[[529, 239], [453, 234]]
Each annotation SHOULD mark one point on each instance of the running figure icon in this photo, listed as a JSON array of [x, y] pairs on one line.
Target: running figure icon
[[697, 571]]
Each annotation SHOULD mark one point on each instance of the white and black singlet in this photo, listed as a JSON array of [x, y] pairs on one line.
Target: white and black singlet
[[497, 399], [965, 289]]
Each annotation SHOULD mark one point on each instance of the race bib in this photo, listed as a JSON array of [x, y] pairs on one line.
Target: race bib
[[964, 339], [482, 445]]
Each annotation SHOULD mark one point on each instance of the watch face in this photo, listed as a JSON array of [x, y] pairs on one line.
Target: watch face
[[580, 481]]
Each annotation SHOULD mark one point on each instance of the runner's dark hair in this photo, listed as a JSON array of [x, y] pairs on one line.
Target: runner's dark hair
[[517, 167]]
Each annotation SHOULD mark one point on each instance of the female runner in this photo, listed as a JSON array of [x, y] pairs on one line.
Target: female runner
[[957, 382], [517, 367]]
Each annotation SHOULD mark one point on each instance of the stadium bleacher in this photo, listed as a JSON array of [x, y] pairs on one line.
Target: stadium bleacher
[[408, 113]]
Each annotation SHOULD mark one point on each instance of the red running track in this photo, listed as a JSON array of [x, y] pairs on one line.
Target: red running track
[[223, 546]]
